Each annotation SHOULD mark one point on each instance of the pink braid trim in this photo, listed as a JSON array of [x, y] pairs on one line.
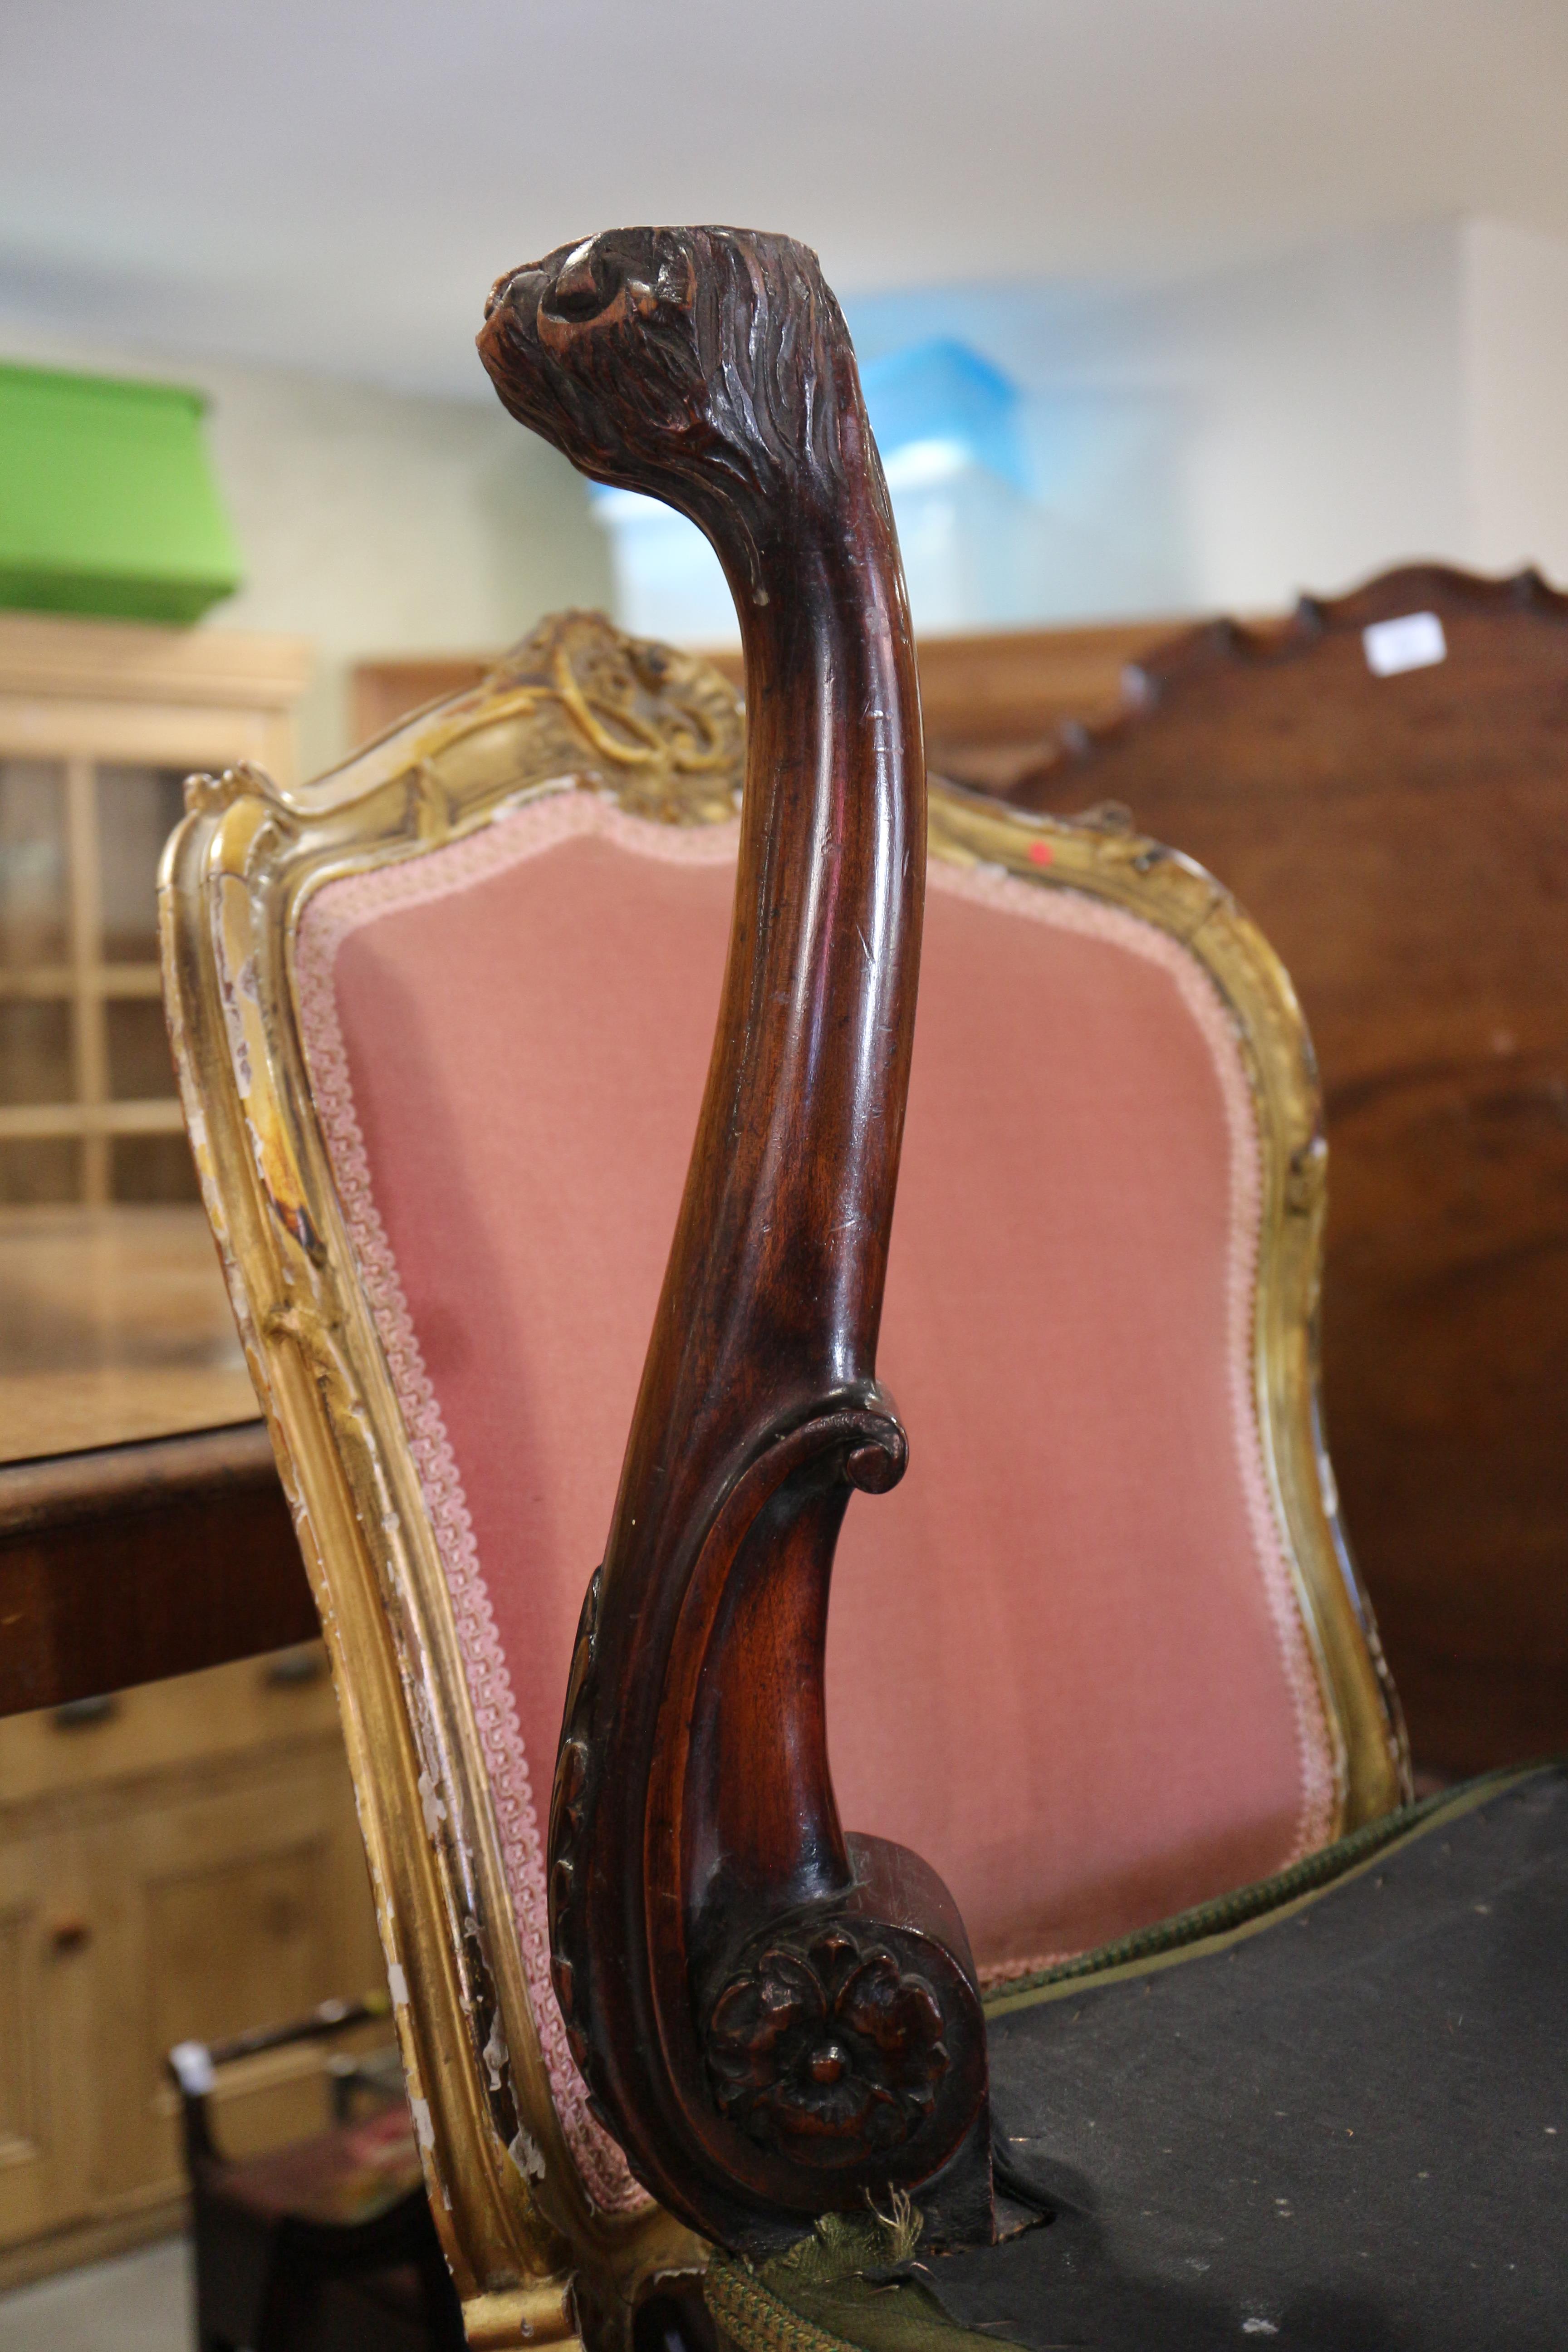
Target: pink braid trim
[[337, 912]]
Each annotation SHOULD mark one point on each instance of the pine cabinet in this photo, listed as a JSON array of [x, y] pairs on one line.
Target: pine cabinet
[[176, 1861], [180, 1858]]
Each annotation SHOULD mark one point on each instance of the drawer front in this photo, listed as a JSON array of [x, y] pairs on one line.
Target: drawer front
[[157, 1727]]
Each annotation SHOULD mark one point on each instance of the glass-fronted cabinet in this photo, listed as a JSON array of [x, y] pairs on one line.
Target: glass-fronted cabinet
[[178, 1858], [113, 1323], [87, 1096]]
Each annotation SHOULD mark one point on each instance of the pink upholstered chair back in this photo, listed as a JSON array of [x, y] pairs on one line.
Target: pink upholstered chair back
[[442, 1020], [1068, 1663]]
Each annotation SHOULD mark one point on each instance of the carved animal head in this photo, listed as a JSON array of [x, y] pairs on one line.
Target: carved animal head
[[711, 367]]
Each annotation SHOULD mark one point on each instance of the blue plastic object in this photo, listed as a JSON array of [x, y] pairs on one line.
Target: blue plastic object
[[943, 393]]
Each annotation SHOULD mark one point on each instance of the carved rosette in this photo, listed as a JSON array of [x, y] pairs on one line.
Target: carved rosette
[[829, 2050]]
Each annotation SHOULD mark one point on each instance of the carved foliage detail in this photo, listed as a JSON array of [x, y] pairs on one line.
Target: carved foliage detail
[[828, 2050], [567, 1806], [659, 729]]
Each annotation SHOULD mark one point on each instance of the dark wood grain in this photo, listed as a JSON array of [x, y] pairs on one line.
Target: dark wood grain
[[134, 1562], [777, 2020], [1403, 843]]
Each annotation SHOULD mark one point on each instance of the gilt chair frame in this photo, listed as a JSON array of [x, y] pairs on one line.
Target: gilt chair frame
[[577, 707]]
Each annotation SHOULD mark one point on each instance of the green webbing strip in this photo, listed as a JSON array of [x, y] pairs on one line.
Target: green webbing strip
[[791, 2307], [1225, 1912], [756, 2318]]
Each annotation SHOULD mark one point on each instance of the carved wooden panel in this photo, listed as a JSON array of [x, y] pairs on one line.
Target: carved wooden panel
[[1401, 840]]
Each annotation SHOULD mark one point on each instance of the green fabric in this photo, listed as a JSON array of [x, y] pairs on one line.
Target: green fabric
[[837, 2289], [834, 2290], [108, 503]]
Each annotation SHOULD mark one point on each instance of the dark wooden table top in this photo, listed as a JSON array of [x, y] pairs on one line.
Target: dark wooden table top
[[143, 1529]]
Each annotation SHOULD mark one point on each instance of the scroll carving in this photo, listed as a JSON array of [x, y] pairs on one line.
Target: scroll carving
[[773, 2018]]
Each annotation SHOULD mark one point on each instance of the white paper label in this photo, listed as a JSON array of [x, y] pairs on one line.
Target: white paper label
[[1412, 642]]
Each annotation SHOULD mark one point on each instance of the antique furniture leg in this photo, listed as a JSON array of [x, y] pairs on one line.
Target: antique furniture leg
[[777, 2019]]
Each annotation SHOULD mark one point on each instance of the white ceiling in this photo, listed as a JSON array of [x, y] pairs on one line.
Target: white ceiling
[[333, 184]]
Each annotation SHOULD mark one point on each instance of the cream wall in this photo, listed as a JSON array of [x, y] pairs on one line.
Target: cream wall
[[1516, 397], [377, 524], [1226, 441], [1217, 444], [1376, 400], [373, 523], [1325, 403]]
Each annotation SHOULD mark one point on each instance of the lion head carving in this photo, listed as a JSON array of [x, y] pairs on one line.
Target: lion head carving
[[710, 367]]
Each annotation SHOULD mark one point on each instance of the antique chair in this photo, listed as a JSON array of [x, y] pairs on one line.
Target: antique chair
[[443, 1021], [1380, 781], [327, 2244]]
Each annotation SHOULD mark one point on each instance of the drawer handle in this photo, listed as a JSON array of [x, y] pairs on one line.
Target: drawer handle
[[294, 1668], [81, 1713], [70, 1936]]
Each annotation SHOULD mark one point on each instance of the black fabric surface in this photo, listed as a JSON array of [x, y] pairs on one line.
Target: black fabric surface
[[1345, 2130]]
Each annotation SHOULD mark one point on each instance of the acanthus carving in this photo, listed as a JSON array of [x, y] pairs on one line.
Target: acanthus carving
[[568, 1803], [657, 728], [245, 781], [828, 2047]]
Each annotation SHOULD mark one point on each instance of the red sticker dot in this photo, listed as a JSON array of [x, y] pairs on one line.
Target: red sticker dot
[[1040, 852]]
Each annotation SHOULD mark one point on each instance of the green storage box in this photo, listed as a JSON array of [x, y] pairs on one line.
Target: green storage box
[[108, 503]]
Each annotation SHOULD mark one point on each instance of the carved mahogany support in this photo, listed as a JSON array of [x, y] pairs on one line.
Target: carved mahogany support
[[775, 2019]]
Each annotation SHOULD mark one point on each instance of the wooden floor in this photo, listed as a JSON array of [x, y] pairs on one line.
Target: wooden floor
[[114, 1326]]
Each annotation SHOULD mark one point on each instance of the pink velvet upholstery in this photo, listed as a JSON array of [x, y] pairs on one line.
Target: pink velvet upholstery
[[1065, 1662]]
